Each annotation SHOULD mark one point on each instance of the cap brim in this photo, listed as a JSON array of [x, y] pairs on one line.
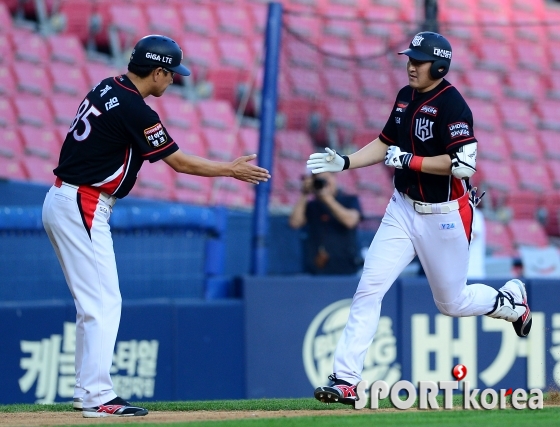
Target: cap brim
[[414, 54], [180, 69]]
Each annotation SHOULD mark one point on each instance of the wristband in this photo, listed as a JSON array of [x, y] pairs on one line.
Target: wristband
[[416, 163], [346, 163]]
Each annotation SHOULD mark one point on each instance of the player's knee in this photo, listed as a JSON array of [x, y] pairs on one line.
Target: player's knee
[[448, 309]]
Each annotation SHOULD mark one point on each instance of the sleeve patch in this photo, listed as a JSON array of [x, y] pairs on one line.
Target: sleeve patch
[[155, 135], [459, 129]]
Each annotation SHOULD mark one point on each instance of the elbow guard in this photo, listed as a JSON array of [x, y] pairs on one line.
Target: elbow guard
[[463, 162]]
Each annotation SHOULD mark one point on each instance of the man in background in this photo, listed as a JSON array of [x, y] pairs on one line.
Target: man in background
[[331, 217]]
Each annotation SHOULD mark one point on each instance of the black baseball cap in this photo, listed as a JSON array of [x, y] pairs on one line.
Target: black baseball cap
[[428, 46], [159, 51]]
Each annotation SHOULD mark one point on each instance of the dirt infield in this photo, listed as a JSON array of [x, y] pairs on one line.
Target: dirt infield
[[35, 419]]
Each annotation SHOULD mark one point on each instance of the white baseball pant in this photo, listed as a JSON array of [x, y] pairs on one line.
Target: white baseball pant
[[90, 270], [441, 242]]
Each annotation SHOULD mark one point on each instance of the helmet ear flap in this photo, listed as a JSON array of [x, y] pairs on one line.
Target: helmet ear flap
[[435, 68]]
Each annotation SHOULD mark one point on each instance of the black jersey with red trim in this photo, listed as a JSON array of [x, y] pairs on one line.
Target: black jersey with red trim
[[429, 124], [113, 133]]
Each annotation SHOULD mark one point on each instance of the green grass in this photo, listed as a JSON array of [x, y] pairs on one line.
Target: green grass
[[442, 418]]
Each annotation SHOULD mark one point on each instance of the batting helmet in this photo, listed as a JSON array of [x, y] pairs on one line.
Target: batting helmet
[[428, 46], [159, 51]]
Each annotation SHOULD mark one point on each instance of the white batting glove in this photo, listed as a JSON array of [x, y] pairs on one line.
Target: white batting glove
[[397, 158], [330, 161]]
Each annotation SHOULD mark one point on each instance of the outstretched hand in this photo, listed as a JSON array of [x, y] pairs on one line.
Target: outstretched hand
[[330, 161], [245, 171]]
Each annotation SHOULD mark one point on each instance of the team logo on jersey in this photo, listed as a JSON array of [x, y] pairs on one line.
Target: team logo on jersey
[[432, 111], [398, 120], [417, 40], [106, 89], [423, 129], [401, 106], [459, 129], [155, 135]]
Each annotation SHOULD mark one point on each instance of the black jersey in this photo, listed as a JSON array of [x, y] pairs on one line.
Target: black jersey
[[113, 132], [429, 124]]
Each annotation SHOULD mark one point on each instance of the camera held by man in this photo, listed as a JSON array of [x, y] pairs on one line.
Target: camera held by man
[[330, 217]]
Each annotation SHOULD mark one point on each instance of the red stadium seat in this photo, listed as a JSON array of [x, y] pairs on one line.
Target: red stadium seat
[[516, 114], [296, 111], [97, 71], [12, 168], [553, 50], [385, 20], [375, 179], [216, 113], [8, 86], [459, 20], [525, 84], [180, 112], [377, 84], [370, 51], [129, 22], [550, 205], [523, 204], [11, 147], [305, 83], [6, 50], [524, 146], [342, 84], [189, 141], [30, 47], [5, 19], [337, 53], [548, 112], [156, 181], [199, 19], [553, 166], [200, 54], [33, 110], [495, 24], [234, 20], [492, 145], [192, 189], [34, 79], [221, 143], [39, 170], [342, 113], [293, 144], [307, 26], [299, 54], [235, 53], [463, 58], [533, 176], [66, 48], [497, 179], [65, 109], [550, 141], [225, 83], [341, 21], [165, 20], [538, 61], [39, 142], [485, 84], [248, 141], [258, 13], [8, 116], [527, 232], [231, 192], [77, 14], [498, 239], [68, 79], [375, 116]]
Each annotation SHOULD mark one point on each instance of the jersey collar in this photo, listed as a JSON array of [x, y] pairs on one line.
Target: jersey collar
[[126, 83]]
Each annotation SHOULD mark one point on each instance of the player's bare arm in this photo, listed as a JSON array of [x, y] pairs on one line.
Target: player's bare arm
[[239, 169], [371, 154]]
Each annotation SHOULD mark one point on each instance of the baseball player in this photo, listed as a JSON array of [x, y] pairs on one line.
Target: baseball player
[[429, 140], [113, 133]]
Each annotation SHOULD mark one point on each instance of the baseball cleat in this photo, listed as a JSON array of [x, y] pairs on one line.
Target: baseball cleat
[[511, 305], [115, 408], [339, 392], [523, 324], [78, 404]]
